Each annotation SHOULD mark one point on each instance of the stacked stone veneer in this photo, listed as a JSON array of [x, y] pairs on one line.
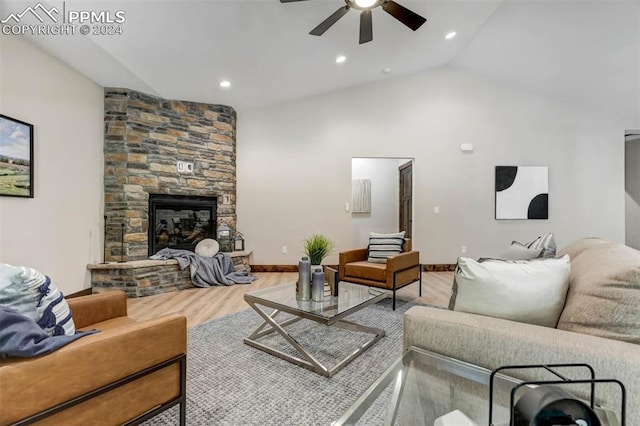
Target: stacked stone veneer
[[145, 136], [147, 277]]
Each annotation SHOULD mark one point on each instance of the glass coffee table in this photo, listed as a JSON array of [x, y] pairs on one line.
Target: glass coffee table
[[422, 386], [269, 303]]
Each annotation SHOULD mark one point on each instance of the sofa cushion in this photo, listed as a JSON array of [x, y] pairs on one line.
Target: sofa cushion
[[576, 248], [525, 291], [367, 270], [383, 246], [604, 293]]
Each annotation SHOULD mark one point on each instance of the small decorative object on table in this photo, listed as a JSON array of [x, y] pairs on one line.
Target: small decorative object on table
[[317, 286], [303, 288], [454, 418], [317, 247]]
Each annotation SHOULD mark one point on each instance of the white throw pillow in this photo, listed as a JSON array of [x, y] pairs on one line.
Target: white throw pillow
[[207, 248], [526, 291]]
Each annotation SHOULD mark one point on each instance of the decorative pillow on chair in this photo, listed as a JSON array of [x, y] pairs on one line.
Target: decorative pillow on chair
[[526, 291], [544, 242], [383, 246], [33, 294]]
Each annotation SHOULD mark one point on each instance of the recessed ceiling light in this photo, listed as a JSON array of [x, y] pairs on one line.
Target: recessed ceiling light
[[225, 83], [386, 71], [340, 59], [451, 35]]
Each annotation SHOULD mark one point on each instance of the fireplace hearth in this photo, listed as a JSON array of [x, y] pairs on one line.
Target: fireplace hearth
[[180, 222]]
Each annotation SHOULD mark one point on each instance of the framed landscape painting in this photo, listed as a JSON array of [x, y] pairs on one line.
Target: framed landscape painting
[[16, 157]]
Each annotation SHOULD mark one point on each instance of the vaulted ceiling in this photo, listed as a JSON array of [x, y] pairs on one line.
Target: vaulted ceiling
[[587, 51]]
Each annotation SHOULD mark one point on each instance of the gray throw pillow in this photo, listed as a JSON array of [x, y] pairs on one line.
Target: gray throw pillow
[[544, 242], [520, 252]]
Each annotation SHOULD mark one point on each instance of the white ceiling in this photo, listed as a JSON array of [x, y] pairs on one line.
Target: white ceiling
[[183, 49]]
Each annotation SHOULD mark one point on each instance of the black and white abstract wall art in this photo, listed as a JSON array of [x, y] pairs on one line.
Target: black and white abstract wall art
[[522, 192]]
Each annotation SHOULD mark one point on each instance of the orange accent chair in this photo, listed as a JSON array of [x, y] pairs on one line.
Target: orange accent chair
[[399, 271], [125, 374]]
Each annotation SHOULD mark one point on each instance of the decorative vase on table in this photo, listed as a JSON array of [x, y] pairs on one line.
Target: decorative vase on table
[[317, 286], [304, 279]]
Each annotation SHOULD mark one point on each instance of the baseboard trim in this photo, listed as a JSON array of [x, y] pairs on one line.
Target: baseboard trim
[[439, 267], [85, 292], [428, 267]]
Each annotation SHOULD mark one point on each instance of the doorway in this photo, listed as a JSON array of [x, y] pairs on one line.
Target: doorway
[[389, 181], [632, 188], [405, 189]]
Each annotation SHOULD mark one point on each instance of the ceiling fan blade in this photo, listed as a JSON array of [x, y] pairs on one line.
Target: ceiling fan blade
[[404, 15], [366, 26], [327, 23]]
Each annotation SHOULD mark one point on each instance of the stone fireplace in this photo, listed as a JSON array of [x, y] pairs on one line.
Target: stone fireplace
[[147, 141], [169, 181]]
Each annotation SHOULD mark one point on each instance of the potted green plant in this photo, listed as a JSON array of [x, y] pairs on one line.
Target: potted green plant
[[317, 247]]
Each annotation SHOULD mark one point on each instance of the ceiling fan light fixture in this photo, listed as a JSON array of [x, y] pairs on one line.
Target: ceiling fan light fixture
[[365, 4]]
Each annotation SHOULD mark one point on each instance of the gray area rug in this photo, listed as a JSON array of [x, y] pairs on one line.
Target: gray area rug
[[230, 383]]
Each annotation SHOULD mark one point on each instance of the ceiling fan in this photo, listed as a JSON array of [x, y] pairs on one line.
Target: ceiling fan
[[401, 13]]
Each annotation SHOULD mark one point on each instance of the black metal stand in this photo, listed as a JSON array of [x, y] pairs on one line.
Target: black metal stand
[[121, 242], [562, 381], [104, 241]]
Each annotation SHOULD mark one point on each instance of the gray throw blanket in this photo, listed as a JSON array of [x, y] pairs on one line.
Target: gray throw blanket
[[207, 271], [21, 337]]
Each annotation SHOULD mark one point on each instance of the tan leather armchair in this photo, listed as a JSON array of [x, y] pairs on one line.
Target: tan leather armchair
[[127, 373], [399, 271]]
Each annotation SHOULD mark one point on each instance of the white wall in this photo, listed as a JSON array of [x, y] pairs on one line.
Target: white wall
[[294, 164], [632, 192], [60, 230], [383, 173]]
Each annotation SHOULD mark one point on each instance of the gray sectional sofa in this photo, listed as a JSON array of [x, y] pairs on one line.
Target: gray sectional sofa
[[599, 325]]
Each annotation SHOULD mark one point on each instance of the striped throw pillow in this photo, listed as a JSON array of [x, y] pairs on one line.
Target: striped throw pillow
[[383, 246], [52, 310]]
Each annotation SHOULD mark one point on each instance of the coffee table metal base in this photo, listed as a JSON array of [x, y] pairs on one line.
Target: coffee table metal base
[[307, 360]]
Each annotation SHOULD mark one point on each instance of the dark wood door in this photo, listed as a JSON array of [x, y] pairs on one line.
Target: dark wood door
[[406, 198]]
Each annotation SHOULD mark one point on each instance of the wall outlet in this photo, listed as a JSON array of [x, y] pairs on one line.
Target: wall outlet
[[284, 250], [463, 249], [184, 167]]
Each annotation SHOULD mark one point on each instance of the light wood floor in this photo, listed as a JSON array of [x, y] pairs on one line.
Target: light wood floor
[[204, 304]]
